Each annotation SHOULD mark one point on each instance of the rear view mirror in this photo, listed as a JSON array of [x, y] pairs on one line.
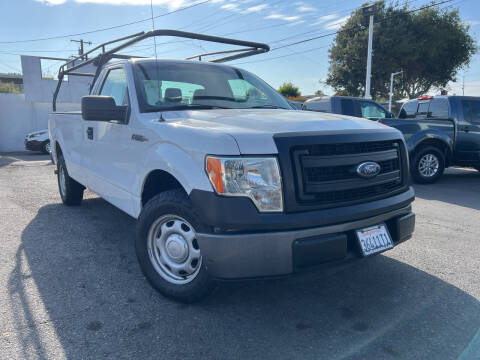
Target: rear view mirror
[[102, 108]]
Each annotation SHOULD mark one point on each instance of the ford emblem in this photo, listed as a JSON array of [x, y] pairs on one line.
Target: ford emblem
[[368, 169]]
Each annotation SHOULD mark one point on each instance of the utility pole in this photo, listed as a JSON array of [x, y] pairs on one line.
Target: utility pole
[[463, 84], [80, 49], [369, 10], [391, 89]]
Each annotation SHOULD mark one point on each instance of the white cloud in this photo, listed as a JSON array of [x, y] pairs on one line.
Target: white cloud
[[473, 22], [230, 6], [256, 8], [282, 17], [337, 24], [325, 18], [51, 2], [304, 7], [171, 4]]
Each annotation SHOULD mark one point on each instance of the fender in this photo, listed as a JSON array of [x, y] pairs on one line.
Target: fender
[[187, 168], [417, 138]]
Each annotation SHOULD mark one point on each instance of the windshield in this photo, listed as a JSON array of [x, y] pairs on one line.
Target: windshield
[[188, 85]]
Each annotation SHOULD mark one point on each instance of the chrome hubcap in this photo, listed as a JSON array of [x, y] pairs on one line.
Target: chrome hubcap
[[173, 249], [47, 147], [428, 165]]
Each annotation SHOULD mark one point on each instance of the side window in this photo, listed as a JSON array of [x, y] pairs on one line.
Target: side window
[[348, 107], [115, 85], [243, 91], [372, 111], [438, 108], [409, 109], [422, 110], [471, 111]]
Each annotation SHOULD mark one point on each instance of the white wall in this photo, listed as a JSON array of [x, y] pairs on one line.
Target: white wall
[[18, 118], [24, 113]]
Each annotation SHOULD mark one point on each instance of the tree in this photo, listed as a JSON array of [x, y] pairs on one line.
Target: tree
[[430, 46], [8, 87], [319, 93], [289, 90]]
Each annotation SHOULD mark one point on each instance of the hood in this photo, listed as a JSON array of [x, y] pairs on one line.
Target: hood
[[253, 129]]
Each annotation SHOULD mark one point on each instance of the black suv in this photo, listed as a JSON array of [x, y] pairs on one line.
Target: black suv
[[440, 131]]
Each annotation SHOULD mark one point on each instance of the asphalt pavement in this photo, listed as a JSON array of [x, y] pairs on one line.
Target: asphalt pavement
[[70, 287]]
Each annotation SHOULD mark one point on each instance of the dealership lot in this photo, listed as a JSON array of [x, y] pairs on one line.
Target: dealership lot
[[70, 287]]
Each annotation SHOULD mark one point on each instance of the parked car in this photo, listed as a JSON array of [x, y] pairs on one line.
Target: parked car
[[440, 131], [38, 141], [224, 185], [297, 105], [347, 105]]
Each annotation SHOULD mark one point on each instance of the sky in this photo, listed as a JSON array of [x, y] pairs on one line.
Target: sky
[[275, 22]]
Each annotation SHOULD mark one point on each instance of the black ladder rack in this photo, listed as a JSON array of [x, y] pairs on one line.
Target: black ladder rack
[[249, 49]]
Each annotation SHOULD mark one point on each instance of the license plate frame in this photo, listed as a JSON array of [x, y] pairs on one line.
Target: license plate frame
[[374, 239]]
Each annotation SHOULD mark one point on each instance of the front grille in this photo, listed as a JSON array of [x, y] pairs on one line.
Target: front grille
[[326, 173]]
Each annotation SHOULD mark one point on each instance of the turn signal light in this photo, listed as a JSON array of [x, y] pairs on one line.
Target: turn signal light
[[214, 170]]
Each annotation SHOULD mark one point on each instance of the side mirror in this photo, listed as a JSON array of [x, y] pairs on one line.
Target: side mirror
[[102, 108]]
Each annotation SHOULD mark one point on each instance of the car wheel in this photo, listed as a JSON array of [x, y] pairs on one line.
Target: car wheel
[[167, 248], [428, 165], [71, 191], [46, 149]]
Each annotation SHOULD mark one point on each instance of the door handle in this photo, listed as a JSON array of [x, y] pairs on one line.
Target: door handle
[[90, 133], [466, 129]]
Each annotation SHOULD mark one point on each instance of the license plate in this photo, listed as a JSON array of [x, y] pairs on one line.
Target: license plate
[[374, 239]]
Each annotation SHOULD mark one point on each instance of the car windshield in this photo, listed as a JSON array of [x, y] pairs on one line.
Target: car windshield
[[187, 85]]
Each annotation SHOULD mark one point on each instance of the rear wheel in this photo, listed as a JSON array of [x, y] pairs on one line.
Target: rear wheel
[[71, 191], [428, 165], [167, 248]]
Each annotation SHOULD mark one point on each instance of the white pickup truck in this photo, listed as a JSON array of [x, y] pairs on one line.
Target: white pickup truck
[[227, 181]]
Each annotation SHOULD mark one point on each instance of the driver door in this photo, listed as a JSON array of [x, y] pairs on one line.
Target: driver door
[[114, 154]]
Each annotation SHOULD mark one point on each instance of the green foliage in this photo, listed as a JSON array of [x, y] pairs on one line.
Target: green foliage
[[430, 46], [289, 90], [319, 93], [9, 87]]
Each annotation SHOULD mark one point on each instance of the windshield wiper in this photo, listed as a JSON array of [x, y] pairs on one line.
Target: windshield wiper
[[186, 107], [266, 107]]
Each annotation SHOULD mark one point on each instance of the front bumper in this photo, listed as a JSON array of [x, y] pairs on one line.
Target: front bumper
[[33, 145], [264, 254], [247, 244]]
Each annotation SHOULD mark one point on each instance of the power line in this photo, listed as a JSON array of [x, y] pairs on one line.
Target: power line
[[107, 28], [333, 33]]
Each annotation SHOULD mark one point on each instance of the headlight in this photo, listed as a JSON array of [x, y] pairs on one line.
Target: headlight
[[256, 178], [38, 134]]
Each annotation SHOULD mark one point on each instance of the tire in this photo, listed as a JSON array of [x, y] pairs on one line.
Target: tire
[[46, 147], [166, 232], [428, 165], [71, 191]]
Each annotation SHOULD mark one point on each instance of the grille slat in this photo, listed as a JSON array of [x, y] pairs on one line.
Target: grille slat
[[326, 172]]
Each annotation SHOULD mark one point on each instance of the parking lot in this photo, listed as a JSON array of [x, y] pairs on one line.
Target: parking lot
[[70, 287]]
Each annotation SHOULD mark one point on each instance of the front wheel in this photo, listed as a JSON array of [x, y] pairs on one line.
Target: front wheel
[[428, 165], [167, 248], [46, 147]]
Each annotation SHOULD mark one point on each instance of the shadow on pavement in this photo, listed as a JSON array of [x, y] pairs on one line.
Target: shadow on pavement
[[455, 187], [83, 263]]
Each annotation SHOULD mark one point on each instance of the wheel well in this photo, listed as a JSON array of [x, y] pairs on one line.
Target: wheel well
[[58, 149], [156, 182], [441, 145]]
